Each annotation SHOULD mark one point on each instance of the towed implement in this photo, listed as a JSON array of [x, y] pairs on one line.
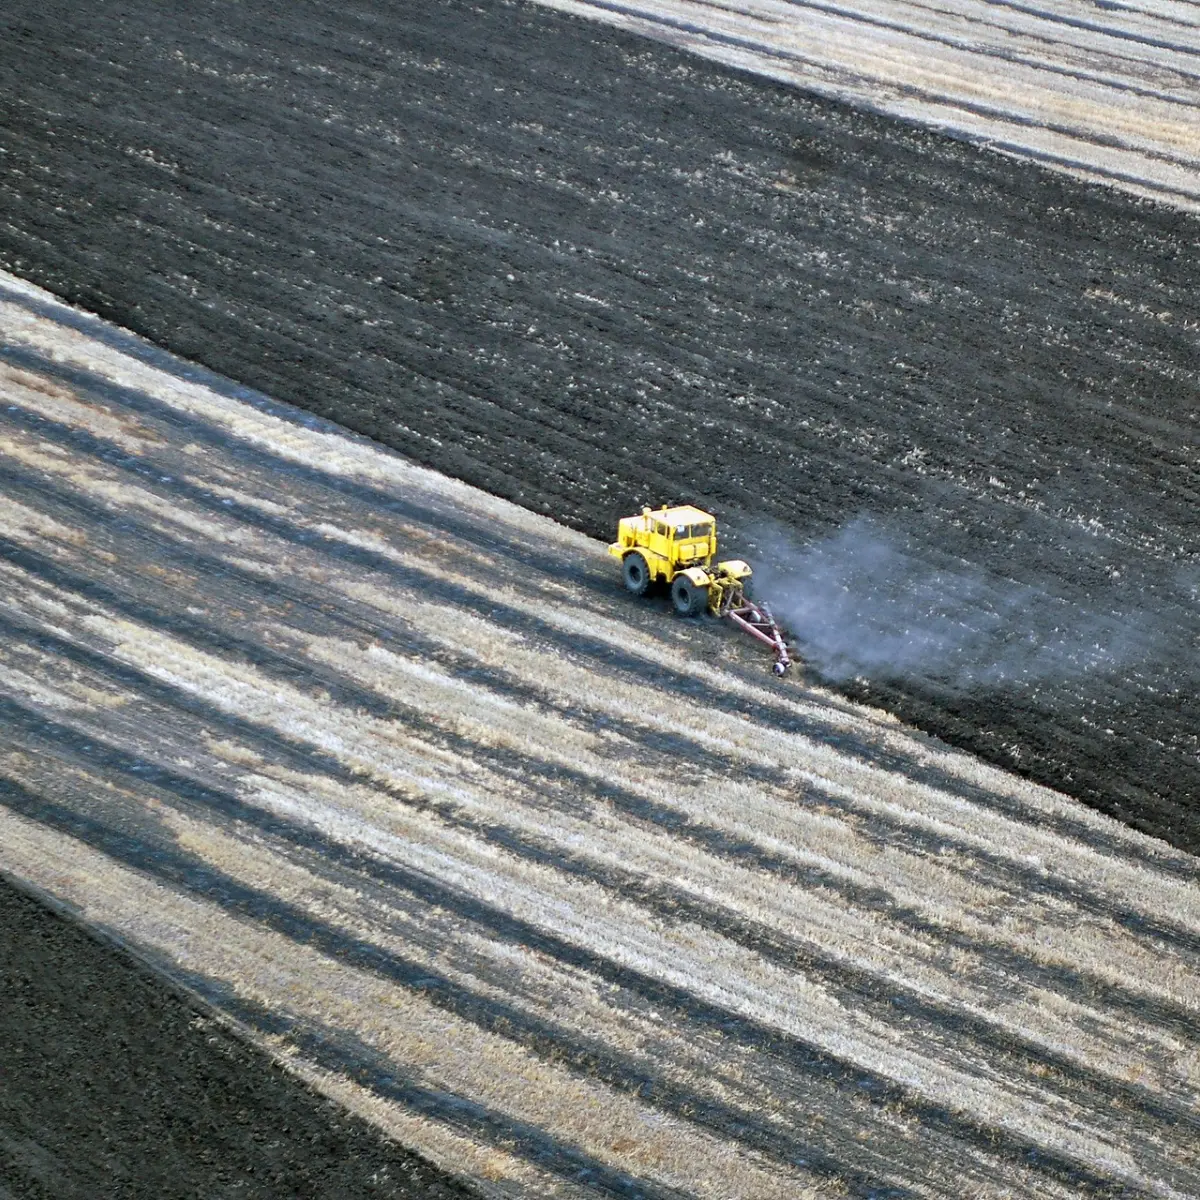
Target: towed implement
[[677, 546]]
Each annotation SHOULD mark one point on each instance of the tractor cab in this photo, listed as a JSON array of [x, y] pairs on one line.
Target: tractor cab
[[693, 541], [668, 538]]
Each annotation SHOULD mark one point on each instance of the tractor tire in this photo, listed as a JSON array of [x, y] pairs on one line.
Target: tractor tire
[[637, 573], [689, 600]]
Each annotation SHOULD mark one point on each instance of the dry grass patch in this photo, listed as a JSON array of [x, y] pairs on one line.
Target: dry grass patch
[[37, 393], [429, 1043], [28, 524]]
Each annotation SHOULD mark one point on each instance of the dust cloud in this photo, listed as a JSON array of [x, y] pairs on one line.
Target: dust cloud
[[859, 604]]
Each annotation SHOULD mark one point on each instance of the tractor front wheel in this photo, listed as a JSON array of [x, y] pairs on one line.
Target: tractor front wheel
[[637, 573], [689, 600]]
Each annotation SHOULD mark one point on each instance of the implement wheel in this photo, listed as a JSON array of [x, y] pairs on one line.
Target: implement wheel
[[637, 573], [689, 600]]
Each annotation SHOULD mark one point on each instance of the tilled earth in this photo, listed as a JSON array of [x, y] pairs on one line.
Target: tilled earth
[[584, 272]]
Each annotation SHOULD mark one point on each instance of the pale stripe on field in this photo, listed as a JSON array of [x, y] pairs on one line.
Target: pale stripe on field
[[1108, 92], [567, 894]]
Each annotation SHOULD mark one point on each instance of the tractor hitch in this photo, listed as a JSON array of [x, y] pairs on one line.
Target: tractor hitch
[[758, 621]]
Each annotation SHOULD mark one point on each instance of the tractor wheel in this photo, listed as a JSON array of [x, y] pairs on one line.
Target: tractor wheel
[[637, 573], [689, 600], [748, 589]]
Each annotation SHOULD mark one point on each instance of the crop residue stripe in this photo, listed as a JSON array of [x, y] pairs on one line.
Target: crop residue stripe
[[389, 737]]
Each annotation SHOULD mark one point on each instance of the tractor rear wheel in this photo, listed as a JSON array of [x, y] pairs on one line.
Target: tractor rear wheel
[[637, 573], [689, 600]]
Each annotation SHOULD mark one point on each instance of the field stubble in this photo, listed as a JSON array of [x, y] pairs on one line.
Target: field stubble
[[525, 248], [565, 893]]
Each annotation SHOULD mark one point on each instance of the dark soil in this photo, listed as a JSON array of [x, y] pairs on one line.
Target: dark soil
[[587, 272], [114, 1084]]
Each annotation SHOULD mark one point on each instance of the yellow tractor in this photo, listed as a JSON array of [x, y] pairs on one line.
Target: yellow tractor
[[676, 546]]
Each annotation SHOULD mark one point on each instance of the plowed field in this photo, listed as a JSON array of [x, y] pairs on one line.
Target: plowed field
[[566, 894], [585, 271]]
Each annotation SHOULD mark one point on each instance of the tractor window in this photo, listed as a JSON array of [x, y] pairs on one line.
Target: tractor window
[[701, 531], [661, 528]]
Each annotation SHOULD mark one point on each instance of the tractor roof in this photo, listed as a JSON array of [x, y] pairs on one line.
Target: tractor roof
[[681, 514]]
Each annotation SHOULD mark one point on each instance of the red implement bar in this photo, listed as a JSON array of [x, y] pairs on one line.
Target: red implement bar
[[757, 621]]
